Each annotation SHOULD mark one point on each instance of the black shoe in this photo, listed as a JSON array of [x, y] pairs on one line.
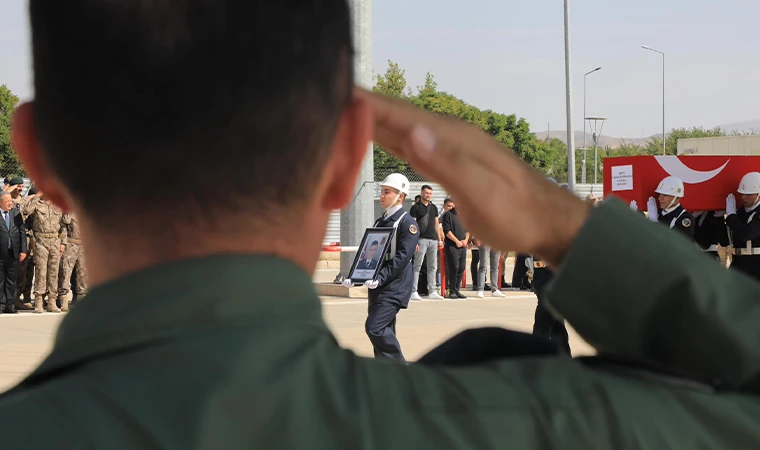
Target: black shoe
[[460, 295], [452, 296]]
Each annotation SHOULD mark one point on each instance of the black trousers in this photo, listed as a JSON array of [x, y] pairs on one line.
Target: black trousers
[[545, 324], [8, 278], [748, 264], [456, 260], [381, 330], [474, 264], [520, 273]]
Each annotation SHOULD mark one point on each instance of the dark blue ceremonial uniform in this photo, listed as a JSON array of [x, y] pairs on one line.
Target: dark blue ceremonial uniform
[[545, 324], [395, 280]]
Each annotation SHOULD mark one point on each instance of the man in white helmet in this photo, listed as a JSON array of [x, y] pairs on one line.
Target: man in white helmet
[[391, 290], [670, 212], [744, 224]]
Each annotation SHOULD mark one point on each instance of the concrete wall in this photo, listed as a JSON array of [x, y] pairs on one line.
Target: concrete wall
[[720, 146]]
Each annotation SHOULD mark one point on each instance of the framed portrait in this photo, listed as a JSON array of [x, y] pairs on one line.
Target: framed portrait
[[371, 254]]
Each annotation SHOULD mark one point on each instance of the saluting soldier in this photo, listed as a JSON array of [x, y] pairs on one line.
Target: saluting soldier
[[744, 225], [47, 225], [667, 209], [391, 290]]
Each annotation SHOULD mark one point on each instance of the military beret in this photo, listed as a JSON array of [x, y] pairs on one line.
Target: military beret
[[32, 191], [15, 181]]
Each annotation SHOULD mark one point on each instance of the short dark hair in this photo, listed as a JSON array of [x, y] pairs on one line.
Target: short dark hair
[[374, 244], [447, 200], [135, 98], [426, 187]]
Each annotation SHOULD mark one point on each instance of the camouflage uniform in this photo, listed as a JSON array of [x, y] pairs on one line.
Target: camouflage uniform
[[47, 224], [72, 260], [26, 267]]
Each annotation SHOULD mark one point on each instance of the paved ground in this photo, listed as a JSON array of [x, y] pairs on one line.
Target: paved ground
[[26, 338]]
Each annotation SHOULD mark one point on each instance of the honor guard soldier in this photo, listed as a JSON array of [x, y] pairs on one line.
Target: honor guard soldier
[[391, 290], [670, 212], [744, 225], [545, 324], [710, 231]]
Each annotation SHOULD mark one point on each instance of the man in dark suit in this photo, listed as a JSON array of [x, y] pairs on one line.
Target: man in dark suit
[[13, 249]]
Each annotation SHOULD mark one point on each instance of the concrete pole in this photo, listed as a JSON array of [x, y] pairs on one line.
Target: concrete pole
[[360, 214], [569, 100]]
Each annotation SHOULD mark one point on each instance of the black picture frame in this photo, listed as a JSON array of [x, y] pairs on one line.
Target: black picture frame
[[359, 272]]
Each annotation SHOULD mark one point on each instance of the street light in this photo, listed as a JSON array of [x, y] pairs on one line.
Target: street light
[[583, 167], [663, 92], [569, 104]]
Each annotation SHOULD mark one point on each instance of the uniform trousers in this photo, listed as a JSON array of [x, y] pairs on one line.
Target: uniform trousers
[[381, 330], [545, 324]]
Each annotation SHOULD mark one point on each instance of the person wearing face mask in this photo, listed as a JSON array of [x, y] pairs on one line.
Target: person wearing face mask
[[744, 225], [391, 290], [670, 212]]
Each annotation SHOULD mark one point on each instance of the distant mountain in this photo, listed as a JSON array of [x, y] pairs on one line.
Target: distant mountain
[[604, 141], [745, 127]]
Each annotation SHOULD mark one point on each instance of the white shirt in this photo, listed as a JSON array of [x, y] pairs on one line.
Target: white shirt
[[391, 211]]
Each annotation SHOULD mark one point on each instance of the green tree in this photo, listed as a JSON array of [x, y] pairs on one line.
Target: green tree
[[9, 163], [654, 146]]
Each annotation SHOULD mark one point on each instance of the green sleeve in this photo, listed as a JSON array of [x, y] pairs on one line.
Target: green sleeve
[[638, 290]]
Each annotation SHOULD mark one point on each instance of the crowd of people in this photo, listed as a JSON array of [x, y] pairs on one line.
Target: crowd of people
[[43, 262]]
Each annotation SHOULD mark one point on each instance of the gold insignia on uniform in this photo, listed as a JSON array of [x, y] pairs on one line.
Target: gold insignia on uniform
[[413, 229], [686, 222]]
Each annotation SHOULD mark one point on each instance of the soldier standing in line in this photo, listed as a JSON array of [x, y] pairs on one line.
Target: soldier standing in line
[[744, 224], [47, 223], [26, 268], [73, 263], [14, 186]]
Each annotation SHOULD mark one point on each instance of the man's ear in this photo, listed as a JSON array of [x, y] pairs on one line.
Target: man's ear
[[27, 146], [350, 145]]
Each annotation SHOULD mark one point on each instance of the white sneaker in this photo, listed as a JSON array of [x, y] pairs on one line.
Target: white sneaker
[[480, 294], [435, 295], [498, 294], [416, 296]]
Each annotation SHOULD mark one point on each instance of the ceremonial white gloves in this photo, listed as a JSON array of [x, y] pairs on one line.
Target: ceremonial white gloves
[[652, 212], [371, 284], [730, 204], [529, 263], [634, 205]]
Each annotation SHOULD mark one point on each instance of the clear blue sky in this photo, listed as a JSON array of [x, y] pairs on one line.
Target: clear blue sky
[[509, 57]]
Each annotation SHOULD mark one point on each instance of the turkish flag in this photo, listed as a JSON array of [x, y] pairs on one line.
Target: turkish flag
[[707, 179]]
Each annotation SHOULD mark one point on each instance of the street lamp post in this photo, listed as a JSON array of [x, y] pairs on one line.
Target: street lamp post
[[663, 92], [583, 166], [569, 104]]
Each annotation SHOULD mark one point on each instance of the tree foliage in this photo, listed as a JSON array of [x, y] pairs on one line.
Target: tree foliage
[[509, 130], [9, 163]]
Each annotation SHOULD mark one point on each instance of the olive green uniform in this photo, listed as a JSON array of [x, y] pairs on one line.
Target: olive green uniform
[[232, 352]]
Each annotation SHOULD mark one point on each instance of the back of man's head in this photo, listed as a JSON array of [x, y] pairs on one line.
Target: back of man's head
[[222, 104]]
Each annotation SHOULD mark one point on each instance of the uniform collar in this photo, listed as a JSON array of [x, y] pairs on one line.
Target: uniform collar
[[752, 208], [159, 303], [665, 212], [392, 211]]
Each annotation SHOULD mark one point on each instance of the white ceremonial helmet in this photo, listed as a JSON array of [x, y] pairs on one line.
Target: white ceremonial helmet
[[671, 186], [398, 182], [750, 184]]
